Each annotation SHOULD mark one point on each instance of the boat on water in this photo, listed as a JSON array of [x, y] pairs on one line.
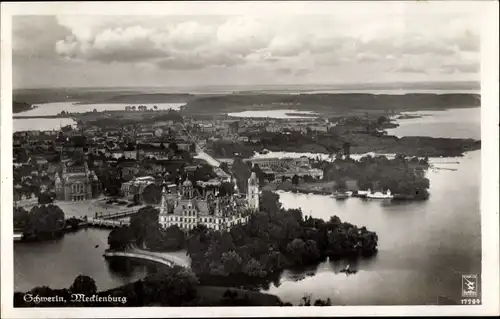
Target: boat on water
[[360, 193], [347, 270], [379, 195], [341, 195], [18, 236]]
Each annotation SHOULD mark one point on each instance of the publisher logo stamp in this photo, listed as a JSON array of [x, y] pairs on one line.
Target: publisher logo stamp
[[469, 285]]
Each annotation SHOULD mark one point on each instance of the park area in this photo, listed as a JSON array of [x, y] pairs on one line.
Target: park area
[[90, 207]]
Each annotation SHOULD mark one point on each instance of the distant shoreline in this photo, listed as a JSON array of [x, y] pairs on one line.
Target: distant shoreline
[[306, 115]]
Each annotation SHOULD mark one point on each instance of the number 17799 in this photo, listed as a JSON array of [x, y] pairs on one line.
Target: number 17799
[[470, 301]]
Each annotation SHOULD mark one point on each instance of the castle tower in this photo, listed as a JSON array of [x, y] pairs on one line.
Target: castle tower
[[59, 187], [162, 216], [253, 192], [163, 203], [187, 189]]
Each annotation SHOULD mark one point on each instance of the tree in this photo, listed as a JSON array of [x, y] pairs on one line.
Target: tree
[[340, 185], [45, 220], [174, 147], [296, 251], [254, 269], [155, 107], [346, 147], [306, 300], [151, 194], [120, 238], [83, 285], [45, 198], [170, 239], [232, 262], [269, 202], [21, 218], [94, 110], [321, 302], [173, 287], [295, 180], [145, 220]]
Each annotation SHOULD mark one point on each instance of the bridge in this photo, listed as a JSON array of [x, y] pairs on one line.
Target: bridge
[[164, 259], [105, 223], [115, 215]]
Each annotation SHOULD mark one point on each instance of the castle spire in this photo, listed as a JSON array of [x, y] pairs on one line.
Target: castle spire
[[163, 204]]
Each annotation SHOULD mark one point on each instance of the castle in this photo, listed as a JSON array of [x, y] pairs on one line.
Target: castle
[[187, 207], [75, 182]]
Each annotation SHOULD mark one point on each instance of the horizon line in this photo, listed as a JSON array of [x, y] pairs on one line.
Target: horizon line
[[476, 85]]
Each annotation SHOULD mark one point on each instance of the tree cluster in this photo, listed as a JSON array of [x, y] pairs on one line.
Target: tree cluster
[[400, 175], [40, 221], [145, 232], [275, 239]]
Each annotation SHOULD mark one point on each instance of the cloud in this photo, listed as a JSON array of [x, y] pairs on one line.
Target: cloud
[[130, 44], [292, 72], [284, 71], [410, 69], [185, 45], [29, 42], [351, 46], [461, 68], [242, 39]]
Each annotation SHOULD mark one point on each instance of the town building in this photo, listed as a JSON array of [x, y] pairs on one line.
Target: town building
[[136, 186], [275, 162], [75, 182], [190, 207]]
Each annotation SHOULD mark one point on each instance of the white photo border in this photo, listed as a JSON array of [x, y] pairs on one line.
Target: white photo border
[[489, 153]]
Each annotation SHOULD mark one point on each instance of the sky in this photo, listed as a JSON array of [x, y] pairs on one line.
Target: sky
[[330, 47]]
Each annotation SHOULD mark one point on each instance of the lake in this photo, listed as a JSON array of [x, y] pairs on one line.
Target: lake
[[277, 114], [424, 247], [72, 107], [56, 263], [454, 123], [20, 125], [57, 107]]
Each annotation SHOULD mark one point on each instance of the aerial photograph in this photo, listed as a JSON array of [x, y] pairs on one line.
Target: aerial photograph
[[223, 160]]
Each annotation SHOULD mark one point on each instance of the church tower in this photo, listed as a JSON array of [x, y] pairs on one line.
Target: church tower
[[253, 192]]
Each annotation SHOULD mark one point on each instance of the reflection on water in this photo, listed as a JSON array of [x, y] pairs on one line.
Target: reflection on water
[[277, 114], [71, 107], [453, 123], [20, 125], [56, 263], [55, 108], [424, 247]]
